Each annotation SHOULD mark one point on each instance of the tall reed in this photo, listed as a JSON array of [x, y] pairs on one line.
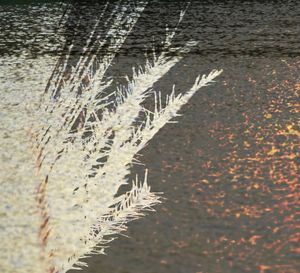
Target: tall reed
[[80, 151]]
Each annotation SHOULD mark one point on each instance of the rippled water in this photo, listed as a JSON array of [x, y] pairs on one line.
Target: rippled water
[[229, 169]]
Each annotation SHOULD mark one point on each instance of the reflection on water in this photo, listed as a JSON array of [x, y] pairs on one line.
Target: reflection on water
[[252, 28], [256, 183], [230, 168]]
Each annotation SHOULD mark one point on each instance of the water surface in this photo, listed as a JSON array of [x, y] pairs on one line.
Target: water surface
[[229, 169]]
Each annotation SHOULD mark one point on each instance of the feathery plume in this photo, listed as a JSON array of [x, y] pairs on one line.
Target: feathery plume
[[80, 152]]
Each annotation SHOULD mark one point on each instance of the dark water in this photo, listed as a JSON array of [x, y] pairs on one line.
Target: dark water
[[229, 169]]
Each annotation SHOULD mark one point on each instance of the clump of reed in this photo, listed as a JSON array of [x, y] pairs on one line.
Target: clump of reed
[[84, 144]]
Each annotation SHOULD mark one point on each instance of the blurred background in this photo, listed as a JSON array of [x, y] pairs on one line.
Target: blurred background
[[229, 169]]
